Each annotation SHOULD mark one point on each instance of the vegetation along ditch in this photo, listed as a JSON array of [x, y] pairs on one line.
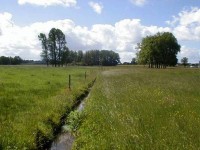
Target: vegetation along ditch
[[35, 102], [65, 139], [64, 133]]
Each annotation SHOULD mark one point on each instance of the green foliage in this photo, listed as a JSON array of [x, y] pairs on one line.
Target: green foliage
[[103, 57], [45, 52], [138, 108], [10, 60], [56, 52], [184, 61], [159, 50], [54, 47], [74, 121], [33, 100], [134, 61]]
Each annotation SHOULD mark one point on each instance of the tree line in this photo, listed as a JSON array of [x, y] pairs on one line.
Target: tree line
[[10, 60], [158, 51], [103, 57], [56, 53]]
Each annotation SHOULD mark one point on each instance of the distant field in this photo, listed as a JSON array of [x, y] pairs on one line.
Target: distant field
[[32, 101], [140, 108]]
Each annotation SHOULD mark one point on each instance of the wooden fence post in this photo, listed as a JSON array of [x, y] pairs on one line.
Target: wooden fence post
[[69, 81]]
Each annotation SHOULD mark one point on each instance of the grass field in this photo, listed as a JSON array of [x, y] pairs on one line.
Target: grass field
[[140, 108], [33, 100]]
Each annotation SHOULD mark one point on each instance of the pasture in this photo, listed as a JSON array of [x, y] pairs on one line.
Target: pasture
[[141, 108], [33, 100], [129, 107]]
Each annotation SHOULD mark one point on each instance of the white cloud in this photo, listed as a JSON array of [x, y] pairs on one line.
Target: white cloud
[[45, 3], [139, 2], [121, 37], [97, 7], [192, 54], [173, 21], [183, 33], [188, 18], [5, 21], [186, 26], [149, 30]]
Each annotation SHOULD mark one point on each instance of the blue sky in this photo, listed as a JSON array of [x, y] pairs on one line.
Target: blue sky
[[98, 24]]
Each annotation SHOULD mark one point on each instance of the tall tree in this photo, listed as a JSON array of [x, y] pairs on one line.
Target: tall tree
[[159, 50], [184, 61], [133, 61], [56, 52], [45, 53], [64, 57], [168, 48], [52, 46], [80, 56], [16, 60], [60, 44]]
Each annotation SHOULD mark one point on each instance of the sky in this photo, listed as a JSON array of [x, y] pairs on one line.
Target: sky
[[116, 25]]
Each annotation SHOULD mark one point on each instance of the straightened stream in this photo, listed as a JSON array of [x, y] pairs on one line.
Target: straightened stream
[[65, 140]]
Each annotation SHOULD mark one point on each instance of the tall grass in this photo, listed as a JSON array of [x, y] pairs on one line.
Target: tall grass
[[33, 100], [138, 108]]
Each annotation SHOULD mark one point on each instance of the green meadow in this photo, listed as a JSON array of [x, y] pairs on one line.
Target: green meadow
[[141, 108], [33, 100], [129, 107]]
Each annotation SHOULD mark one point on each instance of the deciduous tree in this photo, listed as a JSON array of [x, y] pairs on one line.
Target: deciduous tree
[[45, 53], [54, 47], [184, 61], [159, 50]]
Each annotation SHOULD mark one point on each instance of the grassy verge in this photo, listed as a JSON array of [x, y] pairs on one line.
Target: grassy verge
[[139, 108], [33, 101]]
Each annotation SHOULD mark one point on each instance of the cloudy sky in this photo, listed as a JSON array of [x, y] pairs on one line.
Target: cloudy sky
[[98, 24]]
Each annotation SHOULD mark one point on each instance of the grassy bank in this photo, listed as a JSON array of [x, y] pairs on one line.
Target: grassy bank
[[140, 108], [33, 101]]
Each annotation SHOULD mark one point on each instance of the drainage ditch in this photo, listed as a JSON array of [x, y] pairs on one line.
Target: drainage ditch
[[64, 140]]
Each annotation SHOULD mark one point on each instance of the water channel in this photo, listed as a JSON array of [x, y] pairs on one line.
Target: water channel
[[65, 140]]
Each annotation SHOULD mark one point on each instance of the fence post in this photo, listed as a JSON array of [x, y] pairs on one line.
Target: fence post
[[85, 75], [69, 81]]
